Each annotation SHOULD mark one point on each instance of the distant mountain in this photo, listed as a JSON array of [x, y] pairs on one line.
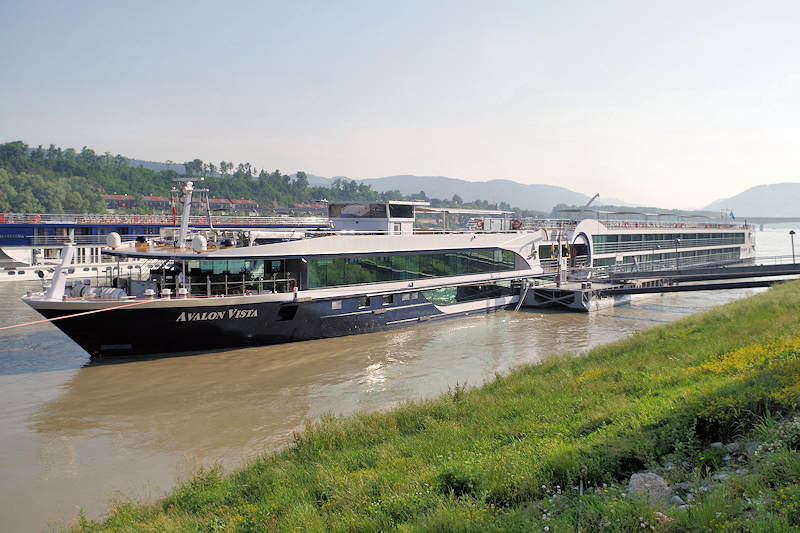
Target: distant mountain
[[538, 197], [777, 200]]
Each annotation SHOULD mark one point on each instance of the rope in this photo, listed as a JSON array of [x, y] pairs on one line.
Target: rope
[[78, 314]]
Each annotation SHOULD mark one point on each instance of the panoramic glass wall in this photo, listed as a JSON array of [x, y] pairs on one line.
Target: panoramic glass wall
[[611, 244], [398, 267], [670, 259]]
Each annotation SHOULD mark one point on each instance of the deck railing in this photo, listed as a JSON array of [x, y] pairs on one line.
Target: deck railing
[[633, 224], [57, 240], [163, 220]]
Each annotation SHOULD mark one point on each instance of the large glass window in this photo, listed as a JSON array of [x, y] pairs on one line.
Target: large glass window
[[401, 211], [612, 244], [357, 210], [398, 267]]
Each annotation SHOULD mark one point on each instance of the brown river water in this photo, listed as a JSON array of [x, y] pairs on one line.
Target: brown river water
[[75, 435]]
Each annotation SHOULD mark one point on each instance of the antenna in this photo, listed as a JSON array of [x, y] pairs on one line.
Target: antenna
[[580, 215]]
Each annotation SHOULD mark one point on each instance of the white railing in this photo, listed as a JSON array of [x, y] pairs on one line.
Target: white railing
[[54, 240], [633, 224], [160, 220]]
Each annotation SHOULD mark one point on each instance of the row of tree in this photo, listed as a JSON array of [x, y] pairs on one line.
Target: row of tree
[[65, 180]]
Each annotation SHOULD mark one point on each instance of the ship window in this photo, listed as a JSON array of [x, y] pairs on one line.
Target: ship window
[[357, 210], [11, 273], [406, 296], [363, 302], [387, 299], [414, 295], [401, 211], [336, 304]]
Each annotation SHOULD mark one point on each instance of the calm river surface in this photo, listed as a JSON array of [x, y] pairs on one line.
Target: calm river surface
[[74, 435]]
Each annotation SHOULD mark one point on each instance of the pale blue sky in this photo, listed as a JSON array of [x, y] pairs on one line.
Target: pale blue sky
[[668, 103]]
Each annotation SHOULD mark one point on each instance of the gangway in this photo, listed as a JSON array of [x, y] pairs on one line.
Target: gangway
[[616, 288]]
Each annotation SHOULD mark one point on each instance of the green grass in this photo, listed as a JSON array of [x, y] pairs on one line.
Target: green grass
[[510, 455]]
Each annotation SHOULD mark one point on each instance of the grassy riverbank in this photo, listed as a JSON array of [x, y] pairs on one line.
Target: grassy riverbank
[[511, 455]]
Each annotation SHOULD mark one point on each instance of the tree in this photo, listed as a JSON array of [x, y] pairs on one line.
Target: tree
[[194, 167], [13, 154]]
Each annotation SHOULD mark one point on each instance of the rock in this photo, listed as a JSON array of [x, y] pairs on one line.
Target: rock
[[690, 497], [732, 447], [669, 465], [677, 500], [684, 485], [683, 507], [716, 445], [720, 476], [650, 486]]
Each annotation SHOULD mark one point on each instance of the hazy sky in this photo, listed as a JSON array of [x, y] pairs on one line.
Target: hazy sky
[[669, 103]]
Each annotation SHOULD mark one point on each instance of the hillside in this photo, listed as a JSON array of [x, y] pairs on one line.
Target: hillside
[[777, 200], [538, 197]]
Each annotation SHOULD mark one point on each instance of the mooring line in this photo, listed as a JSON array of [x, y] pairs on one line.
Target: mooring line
[[80, 314]]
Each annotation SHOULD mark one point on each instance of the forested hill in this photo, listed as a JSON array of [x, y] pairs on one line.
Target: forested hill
[[56, 180]]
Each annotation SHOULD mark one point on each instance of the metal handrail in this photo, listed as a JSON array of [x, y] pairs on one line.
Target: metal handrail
[[243, 284], [160, 220], [633, 224], [45, 240]]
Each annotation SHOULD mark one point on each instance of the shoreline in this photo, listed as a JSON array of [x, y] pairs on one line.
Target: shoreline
[[487, 457]]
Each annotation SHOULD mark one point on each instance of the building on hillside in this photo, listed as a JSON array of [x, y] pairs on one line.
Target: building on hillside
[[216, 204], [244, 205], [119, 201], [220, 204], [156, 202], [309, 209]]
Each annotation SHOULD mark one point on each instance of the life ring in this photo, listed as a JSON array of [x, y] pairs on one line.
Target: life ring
[[479, 223], [516, 224], [627, 224], [37, 218], [292, 284]]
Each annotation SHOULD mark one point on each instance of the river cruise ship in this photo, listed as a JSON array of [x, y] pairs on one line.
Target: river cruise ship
[[373, 271]]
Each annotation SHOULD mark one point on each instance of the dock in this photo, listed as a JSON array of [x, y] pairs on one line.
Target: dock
[[611, 289]]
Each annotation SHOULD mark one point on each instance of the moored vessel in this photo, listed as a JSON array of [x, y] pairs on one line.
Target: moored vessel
[[372, 271]]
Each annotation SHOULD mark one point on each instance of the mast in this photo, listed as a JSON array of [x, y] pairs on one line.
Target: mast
[[187, 207], [188, 189]]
